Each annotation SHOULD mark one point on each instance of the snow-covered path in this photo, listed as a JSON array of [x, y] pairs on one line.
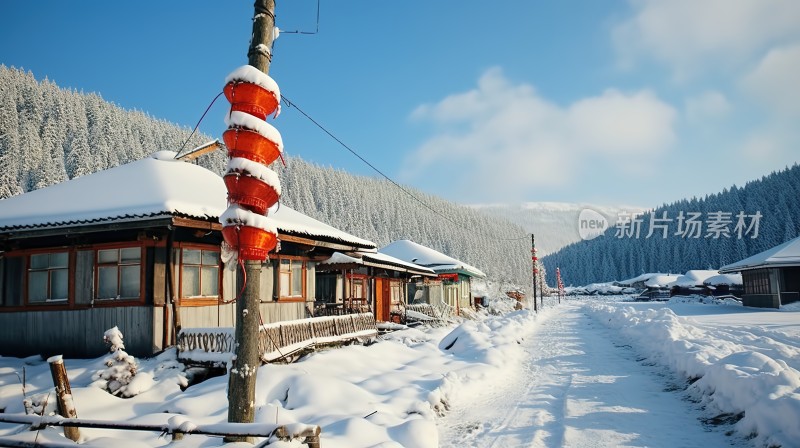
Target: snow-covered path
[[579, 389]]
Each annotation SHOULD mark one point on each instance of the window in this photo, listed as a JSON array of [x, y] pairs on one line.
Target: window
[[395, 292], [48, 278], [119, 273], [757, 282], [291, 278], [357, 288], [199, 273]]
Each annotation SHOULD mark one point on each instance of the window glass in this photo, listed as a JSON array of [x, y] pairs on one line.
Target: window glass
[[210, 257], [190, 285], [48, 277], [130, 255], [107, 282], [59, 260], [358, 289], [37, 286], [284, 282], [129, 281], [108, 256], [40, 261], [209, 281], [191, 256], [297, 278]]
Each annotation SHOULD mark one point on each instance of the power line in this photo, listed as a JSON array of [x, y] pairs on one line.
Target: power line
[[404, 190], [306, 32]]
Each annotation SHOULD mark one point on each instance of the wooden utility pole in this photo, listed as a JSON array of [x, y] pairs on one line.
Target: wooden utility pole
[[242, 376], [534, 259]]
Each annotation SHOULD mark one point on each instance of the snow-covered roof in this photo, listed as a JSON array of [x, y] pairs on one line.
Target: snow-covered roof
[[158, 185], [639, 278], [724, 279], [289, 220], [660, 280], [378, 259], [694, 277], [425, 256], [786, 254]]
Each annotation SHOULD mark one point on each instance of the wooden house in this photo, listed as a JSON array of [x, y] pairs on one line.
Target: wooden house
[[725, 284], [771, 278], [138, 247], [452, 287], [366, 281]]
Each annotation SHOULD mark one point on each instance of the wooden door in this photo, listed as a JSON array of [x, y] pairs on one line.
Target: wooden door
[[383, 300]]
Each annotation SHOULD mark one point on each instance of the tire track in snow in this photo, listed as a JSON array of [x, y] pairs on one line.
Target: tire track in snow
[[579, 389]]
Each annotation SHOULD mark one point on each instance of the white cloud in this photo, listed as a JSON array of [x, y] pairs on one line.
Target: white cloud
[[709, 105], [616, 123], [512, 138], [688, 35], [774, 82]]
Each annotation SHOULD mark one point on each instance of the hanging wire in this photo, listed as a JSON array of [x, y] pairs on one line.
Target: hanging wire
[[306, 32], [289, 103], [198, 124]]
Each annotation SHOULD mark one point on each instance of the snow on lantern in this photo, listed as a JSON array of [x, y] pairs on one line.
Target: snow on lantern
[[251, 138], [252, 145], [253, 235], [252, 91], [252, 185]]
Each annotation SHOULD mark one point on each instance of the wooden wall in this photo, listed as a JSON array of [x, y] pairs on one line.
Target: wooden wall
[[76, 333]]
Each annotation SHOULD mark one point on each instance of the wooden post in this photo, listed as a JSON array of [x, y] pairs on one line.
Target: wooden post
[[245, 364], [533, 259], [66, 406]]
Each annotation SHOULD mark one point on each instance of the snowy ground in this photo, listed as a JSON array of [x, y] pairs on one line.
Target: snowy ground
[[589, 372]]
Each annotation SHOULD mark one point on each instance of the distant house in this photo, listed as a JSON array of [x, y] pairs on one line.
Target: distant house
[[637, 282], [725, 284], [373, 281], [452, 286], [692, 282], [771, 278], [138, 247]]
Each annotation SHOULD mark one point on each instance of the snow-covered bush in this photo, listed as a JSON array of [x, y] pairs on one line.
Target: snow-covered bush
[[120, 371], [40, 404]]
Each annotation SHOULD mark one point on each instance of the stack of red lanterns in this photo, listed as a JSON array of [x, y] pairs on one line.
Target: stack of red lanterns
[[253, 144]]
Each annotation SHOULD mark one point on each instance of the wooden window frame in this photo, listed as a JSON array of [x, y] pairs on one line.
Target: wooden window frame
[[48, 304], [304, 278], [70, 303], [198, 300], [96, 273]]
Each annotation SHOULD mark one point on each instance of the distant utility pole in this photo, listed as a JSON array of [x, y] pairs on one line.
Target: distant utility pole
[[242, 377], [535, 271]]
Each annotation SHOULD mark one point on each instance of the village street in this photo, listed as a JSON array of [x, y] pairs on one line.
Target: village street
[[580, 388]]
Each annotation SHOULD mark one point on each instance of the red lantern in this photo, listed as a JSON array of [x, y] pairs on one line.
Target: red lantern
[[250, 192], [250, 145], [251, 99], [253, 243]]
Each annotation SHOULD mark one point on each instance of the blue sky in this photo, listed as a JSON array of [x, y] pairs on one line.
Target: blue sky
[[612, 102]]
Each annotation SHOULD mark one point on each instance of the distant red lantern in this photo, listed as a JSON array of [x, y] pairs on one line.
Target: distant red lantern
[[253, 243], [251, 98]]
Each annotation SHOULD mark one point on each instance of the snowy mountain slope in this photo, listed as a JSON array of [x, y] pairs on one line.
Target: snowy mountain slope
[[555, 224], [731, 225]]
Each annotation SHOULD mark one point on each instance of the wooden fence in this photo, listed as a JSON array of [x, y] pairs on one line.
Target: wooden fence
[[278, 340], [177, 426]]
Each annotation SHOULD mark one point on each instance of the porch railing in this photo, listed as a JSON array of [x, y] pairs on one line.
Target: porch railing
[[277, 340]]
